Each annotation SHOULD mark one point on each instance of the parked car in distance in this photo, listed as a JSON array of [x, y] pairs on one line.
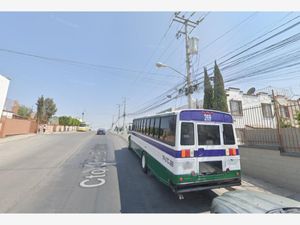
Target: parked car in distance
[[253, 202], [101, 132]]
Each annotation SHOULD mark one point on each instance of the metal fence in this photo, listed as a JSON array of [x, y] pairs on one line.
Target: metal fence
[[271, 125]]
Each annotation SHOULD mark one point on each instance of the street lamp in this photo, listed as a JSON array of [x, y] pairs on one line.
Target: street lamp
[[189, 90], [161, 65]]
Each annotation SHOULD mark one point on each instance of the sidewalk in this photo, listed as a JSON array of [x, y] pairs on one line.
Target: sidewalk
[[16, 137], [248, 183]]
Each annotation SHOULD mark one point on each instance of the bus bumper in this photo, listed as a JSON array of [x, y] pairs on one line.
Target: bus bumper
[[183, 188]]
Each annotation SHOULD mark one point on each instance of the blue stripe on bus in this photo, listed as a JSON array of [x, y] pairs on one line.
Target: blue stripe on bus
[[177, 154]]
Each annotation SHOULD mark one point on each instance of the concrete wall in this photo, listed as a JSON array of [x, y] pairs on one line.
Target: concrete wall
[[272, 167], [4, 83], [57, 128], [20, 126]]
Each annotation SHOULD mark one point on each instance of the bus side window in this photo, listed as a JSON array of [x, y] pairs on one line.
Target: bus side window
[[168, 129], [151, 133], [156, 127], [149, 127], [142, 125]]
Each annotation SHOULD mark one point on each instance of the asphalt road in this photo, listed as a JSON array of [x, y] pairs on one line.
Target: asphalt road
[[84, 173]]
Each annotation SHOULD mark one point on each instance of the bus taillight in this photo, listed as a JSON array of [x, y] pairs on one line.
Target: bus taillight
[[185, 153], [232, 151]]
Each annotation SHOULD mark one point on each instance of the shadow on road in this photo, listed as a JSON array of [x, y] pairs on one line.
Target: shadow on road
[[141, 193]]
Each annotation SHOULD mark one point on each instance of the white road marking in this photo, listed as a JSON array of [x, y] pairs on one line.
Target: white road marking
[[96, 174]]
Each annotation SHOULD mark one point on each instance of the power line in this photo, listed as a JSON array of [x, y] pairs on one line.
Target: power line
[[228, 31], [258, 43], [71, 62]]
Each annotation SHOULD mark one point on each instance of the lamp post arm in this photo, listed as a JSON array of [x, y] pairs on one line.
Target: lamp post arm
[[184, 76]]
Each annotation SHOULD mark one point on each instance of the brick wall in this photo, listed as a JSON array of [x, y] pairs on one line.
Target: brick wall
[[16, 126]]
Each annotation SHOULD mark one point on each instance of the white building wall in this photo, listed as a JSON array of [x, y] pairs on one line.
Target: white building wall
[[252, 109], [4, 83]]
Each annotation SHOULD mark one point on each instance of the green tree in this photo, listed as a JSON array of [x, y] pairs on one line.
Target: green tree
[[40, 110], [298, 117], [24, 111], [68, 121], [50, 108], [220, 101], [46, 108], [208, 92], [284, 123]]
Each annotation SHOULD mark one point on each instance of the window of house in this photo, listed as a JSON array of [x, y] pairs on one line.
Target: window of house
[[284, 111], [168, 130], [236, 108], [266, 110]]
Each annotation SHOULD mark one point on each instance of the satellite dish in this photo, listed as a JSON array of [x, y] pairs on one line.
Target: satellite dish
[[251, 91]]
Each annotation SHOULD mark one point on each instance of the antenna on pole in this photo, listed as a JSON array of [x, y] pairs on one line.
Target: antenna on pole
[[251, 91]]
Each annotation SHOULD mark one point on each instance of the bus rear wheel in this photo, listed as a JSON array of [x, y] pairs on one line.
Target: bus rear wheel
[[144, 163], [129, 143]]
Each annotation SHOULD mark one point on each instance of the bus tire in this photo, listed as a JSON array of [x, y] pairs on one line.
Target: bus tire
[[129, 143], [144, 163]]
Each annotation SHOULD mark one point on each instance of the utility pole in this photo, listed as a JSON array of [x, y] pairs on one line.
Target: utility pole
[[112, 123], [119, 106], [187, 23], [82, 116], [124, 114]]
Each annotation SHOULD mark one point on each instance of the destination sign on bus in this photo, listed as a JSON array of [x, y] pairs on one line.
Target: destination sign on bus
[[205, 115]]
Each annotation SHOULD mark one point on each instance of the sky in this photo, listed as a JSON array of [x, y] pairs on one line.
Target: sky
[[125, 48]]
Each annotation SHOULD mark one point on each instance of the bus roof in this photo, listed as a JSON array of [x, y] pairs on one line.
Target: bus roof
[[198, 115]]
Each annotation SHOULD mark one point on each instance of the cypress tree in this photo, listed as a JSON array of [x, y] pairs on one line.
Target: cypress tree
[[220, 101], [208, 92]]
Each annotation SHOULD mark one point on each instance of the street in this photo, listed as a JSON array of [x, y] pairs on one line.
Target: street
[[84, 173]]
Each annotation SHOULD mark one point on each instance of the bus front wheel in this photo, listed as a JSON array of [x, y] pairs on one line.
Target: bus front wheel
[[144, 163]]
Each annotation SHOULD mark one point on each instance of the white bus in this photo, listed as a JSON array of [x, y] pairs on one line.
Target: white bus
[[188, 150]]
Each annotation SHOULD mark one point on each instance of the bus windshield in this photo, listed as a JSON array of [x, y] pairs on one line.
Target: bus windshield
[[207, 134]]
